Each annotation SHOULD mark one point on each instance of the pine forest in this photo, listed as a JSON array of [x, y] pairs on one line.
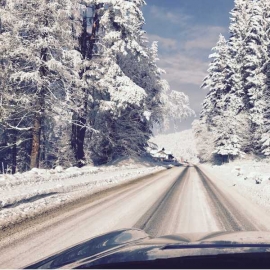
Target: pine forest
[[235, 118]]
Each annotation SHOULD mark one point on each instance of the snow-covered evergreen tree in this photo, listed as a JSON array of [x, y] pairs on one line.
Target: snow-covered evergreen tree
[[228, 143], [265, 100], [243, 82], [12, 116], [127, 88], [217, 82], [239, 21], [44, 69], [265, 137], [79, 82], [122, 25], [254, 80]]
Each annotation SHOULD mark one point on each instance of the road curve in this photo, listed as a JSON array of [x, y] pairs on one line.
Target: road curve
[[180, 200]]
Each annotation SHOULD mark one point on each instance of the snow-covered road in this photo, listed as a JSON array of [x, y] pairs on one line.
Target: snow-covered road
[[179, 200]]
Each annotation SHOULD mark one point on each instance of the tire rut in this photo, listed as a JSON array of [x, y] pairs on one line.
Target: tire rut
[[152, 220], [228, 216]]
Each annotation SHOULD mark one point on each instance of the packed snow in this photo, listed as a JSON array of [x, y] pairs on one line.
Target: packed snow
[[181, 144], [250, 178], [25, 195]]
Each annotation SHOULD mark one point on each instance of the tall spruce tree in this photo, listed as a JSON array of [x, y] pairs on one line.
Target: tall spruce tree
[[45, 71], [265, 100], [252, 72], [242, 82], [265, 137], [216, 82], [8, 41]]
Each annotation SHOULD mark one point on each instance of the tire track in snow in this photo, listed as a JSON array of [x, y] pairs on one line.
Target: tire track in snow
[[151, 222], [226, 213]]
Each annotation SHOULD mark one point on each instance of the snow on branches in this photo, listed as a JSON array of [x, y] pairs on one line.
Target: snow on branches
[[238, 84], [79, 83]]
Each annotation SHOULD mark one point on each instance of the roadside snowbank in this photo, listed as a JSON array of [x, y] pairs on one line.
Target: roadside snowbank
[[249, 178], [25, 195]]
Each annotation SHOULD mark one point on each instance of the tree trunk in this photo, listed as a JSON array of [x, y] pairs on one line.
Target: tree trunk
[[87, 43], [38, 117], [77, 141], [35, 152], [14, 152]]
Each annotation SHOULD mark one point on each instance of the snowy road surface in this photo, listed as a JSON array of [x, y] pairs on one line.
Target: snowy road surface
[[178, 200]]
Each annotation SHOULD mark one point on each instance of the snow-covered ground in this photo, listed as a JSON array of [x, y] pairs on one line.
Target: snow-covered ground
[[250, 178], [181, 144], [25, 195]]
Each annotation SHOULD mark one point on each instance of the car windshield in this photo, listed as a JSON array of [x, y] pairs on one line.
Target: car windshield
[[133, 127]]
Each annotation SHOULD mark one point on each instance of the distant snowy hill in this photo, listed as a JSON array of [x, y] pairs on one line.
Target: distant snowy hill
[[181, 144]]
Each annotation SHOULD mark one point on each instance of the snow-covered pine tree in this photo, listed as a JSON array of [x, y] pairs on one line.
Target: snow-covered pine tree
[[118, 102], [11, 115], [111, 97], [252, 72], [216, 82], [239, 21], [46, 71], [265, 137], [245, 102], [91, 13], [228, 140], [225, 97], [129, 129], [127, 42]]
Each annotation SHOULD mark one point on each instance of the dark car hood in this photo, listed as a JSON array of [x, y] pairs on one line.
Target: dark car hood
[[131, 245]]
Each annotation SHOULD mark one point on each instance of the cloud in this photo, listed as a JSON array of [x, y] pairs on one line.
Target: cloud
[[185, 61], [185, 42], [203, 37], [165, 43], [177, 17], [184, 53], [183, 69]]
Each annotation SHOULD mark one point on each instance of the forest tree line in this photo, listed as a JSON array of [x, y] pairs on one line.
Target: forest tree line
[[79, 83], [235, 118]]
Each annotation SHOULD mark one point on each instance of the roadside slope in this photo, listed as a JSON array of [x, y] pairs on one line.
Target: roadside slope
[[250, 178], [24, 196]]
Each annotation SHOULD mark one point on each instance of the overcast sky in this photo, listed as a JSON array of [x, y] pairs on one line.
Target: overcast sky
[[187, 30]]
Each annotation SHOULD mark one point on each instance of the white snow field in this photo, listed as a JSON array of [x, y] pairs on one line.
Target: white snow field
[[25, 195], [250, 178], [181, 144]]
